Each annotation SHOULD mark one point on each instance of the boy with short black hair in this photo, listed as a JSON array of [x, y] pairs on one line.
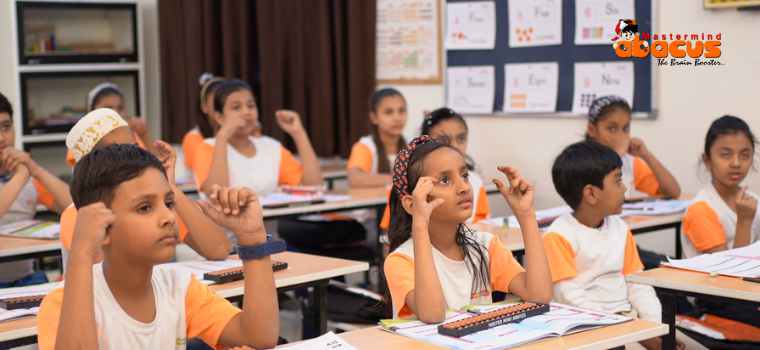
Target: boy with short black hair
[[591, 249], [23, 185], [126, 210]]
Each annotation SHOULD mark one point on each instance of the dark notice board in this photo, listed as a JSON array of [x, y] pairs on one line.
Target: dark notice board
[[565, 54]]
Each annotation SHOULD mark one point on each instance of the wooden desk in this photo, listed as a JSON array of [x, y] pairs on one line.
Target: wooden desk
[[512, 237], [671, 283], [365, 198], [304, 271], [602, 338], [12, 249], [333, 170]]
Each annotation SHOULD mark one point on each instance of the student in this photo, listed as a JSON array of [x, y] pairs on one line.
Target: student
[[437, 262], [609, 123], [103, 127], [109, 95], [369, 164], [591, 250], [23, 185], [126, 210], [207, 126], [236, 158], [724, 214], [449, 127]]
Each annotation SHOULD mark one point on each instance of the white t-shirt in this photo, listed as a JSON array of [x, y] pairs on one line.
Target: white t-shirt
[[23, 208], [173, 324], [260, 172]]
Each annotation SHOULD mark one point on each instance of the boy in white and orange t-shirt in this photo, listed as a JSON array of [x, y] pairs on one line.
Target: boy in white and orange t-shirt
[[591, 250], [126, 210]]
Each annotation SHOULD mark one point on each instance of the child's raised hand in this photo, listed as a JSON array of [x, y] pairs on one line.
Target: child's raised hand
[[138, 126], [637, 148], [168, 157], [91, 230], [746, 206], [417, 204], [519, 193], [230, 125], [11, 158], [289, 121], [238, 210]]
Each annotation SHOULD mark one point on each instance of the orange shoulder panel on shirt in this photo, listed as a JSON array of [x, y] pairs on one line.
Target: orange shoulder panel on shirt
[[44, 196], [561, 257], [190, 143], [385, 223], [482, 210], [502, 265], [643, 178], [291, 170], [702, 227], [632, 261], [48, 318], [207, 314], [399, 271], [202, 159], [360, 157]]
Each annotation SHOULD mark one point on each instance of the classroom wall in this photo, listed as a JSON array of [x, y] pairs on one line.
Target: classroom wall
[[688, 99]]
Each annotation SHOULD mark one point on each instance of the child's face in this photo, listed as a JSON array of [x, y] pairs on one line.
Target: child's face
[[113, 101], [730, 159], [627, 35], [390, 116], [119, 136], [241, 104], [7, 136], [145, 229], [613, 130], [610, 198], [452, 132], [448, 168]]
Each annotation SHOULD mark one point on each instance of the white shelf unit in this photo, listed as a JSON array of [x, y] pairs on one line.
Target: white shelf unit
[[13, 71]]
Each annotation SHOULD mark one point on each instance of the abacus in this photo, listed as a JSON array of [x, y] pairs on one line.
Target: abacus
[[492, 319], [236, 273], [27, 302]]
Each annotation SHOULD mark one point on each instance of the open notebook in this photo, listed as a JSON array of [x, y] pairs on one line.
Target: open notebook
[[32, 229], [38, 290], [739, 262], [560, 320]]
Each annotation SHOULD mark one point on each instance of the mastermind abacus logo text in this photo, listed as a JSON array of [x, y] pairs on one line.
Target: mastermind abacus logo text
[[669, 49]]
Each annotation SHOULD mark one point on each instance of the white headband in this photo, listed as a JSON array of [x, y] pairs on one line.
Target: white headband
[[97, 89], [88, 131]]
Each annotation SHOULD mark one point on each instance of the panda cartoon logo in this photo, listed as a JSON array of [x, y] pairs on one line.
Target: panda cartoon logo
[[627, 30]]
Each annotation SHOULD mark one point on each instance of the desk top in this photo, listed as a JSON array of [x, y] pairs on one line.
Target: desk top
[[698, 282], [600, 338]]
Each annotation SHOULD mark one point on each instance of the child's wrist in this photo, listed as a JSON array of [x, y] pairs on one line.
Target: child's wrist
[[251, 238]]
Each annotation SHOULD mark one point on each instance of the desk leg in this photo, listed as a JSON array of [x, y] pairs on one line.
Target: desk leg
[[669, 318], [315, 314], [679, 251]]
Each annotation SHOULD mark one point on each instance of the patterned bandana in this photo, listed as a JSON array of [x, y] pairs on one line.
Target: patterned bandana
[[601, 102], [401, 166]]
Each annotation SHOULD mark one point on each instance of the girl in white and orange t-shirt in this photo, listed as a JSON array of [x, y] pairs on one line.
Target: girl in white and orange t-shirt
[[371, 158], [437, 263], [724, 216], [448, 126]]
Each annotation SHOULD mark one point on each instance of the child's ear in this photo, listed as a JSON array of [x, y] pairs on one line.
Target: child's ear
[[590, 195], [406, 203], [373, 118], [217, 117], [591, 130], [706, 161]]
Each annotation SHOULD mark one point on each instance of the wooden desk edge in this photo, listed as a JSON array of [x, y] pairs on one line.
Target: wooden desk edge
[[693, 288]]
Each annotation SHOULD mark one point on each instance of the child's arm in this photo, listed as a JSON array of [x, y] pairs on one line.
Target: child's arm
[[219, 172], [536, 283], [58, 189], [77, 328], [10, 191], [206, 238], [239, 210], [746, 207], [291, 122], [426, 300], [668, 184], [360, 178], [140, 128]]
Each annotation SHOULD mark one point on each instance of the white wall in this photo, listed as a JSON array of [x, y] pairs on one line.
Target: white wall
[[688, 98]]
